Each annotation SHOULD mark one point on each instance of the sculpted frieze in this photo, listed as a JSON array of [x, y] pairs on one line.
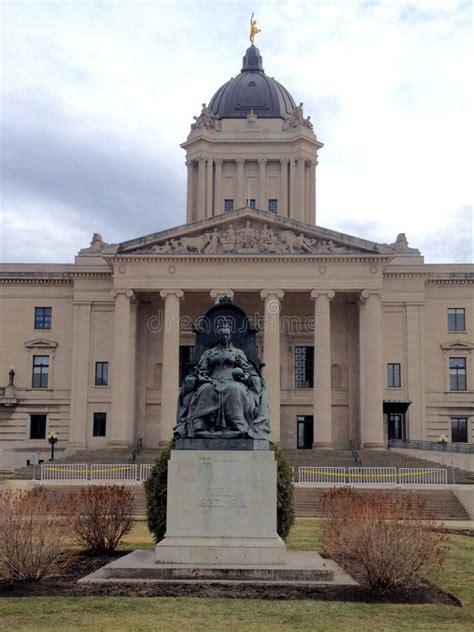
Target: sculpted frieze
[[249, 238]]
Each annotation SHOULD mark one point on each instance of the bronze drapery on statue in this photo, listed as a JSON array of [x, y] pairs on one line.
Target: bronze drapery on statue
[[224, 395]]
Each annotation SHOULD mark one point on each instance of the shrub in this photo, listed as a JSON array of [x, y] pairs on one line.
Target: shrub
[[34, 535], [156, 490], [285, 501], [102, 515], [383, 539]]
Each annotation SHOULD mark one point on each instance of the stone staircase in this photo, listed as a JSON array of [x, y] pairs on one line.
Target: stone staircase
[[441, 503]]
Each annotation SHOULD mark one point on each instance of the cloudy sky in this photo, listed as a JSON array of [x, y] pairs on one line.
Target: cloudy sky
[[97, 96]]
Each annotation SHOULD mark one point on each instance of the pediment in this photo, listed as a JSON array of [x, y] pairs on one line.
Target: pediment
[[458, 345], [249, 232], [41, 343]]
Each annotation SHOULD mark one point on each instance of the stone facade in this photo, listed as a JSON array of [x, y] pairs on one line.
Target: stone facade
[[361, 305]]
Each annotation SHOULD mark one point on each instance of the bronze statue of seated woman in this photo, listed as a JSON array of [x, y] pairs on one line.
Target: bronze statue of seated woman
[[225, 395]]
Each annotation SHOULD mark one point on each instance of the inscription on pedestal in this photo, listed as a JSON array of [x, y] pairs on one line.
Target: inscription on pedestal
[[222, 496]]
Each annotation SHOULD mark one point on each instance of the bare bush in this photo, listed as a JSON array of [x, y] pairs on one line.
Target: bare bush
[[102, 515], [383, 539], [34, 536]]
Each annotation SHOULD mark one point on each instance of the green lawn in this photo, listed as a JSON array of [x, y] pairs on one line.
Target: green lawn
[[62, 614]]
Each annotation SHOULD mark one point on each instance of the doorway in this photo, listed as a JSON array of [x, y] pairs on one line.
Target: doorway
[[304, 424], [396, 426]]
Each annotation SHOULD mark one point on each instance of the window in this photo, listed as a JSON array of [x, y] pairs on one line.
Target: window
[[228, 206], [456, 319], [304, 432], [43, 317], [186, 356], [459, 429], [457, 374], [393, 375], [100, 425], [40, 372], [101, 373], [304, 367], [37, 426], [273, 206], [251, 203]]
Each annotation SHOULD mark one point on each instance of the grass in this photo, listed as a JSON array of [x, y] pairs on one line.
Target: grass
[[100, 614]]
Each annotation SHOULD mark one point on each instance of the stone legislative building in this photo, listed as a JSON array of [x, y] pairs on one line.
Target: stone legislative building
[[361, 341]]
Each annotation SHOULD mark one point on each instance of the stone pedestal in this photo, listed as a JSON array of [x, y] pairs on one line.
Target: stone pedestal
[[222, 509]]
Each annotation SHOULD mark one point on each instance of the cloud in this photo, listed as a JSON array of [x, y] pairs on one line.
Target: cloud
[[97, 96]]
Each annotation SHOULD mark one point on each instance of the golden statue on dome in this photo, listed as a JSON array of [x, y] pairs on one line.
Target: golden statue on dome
[[253, 29]]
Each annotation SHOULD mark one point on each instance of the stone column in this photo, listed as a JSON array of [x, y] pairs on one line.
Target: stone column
[[240, 197], [123, 370], [322, 368], [312, 192], [201, 205], [81, 371], [307, 172], [170, 379], [293, 211], [218, 294], [271, 351], [415, 323], [262, 189], [300, 188], [283, 206], [371, 373], [209, 178], [190, 192], [218, 201]]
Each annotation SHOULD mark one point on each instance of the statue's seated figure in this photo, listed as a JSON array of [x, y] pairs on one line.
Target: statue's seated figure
[[224, 395]]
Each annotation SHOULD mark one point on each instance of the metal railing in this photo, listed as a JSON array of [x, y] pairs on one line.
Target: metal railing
[[113, 472], [145, 471], [355, 454], [137, 448], [373, 475], [411, 476], [435, 446], [321, 474], [376, 476], [66, 472], [96, 472]]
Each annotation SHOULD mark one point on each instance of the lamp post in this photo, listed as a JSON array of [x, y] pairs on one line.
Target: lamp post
[[53, 439]]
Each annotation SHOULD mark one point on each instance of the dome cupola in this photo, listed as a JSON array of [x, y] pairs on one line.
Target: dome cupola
[[253, 90]]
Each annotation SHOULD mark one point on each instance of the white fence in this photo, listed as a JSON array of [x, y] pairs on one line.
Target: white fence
[[145, 471], [113, 472], [96, 472], [372, 476], [411, 476], [322, 474], [66, 472]]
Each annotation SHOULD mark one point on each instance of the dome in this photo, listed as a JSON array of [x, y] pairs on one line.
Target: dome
[[252, 90]]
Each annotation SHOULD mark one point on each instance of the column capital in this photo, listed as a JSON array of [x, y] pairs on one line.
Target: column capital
[[364, 295], [202, 159], [189, 163], [240, 161], [218, 294], [262, 161], [284, 161], [329, 293], [165, 293], [129, 293], [218, 162], [275, 294]]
